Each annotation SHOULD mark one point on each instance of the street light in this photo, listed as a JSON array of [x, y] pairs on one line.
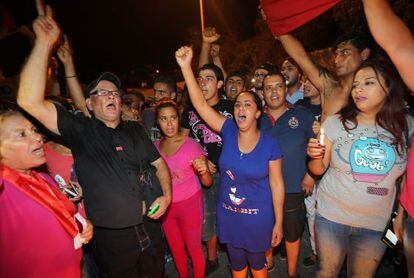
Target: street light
[[201, 15]]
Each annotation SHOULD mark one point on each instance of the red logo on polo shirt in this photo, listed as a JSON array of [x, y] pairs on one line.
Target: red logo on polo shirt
[[119, 148]]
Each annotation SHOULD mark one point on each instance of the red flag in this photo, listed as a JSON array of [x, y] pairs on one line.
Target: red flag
[[284, 16]]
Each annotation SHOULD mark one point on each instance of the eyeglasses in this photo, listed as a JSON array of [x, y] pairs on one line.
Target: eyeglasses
[[259, 75], [104, 93]]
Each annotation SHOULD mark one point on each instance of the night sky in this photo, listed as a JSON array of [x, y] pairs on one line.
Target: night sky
[[129, 34]]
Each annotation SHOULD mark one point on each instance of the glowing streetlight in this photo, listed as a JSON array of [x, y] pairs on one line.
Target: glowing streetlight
[[201, 15]]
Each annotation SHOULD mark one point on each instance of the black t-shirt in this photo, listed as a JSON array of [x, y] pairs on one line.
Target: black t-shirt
[[199, 130], [316, 109], [107, 162]]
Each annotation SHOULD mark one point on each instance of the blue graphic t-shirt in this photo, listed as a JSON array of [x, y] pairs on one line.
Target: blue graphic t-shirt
[[245, 216], [358, 188]]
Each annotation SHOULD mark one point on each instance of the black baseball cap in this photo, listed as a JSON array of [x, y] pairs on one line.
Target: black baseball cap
[[108, 76], [268, 67]]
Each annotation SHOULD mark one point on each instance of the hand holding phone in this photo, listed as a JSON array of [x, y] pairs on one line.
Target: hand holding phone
[[154, 209]]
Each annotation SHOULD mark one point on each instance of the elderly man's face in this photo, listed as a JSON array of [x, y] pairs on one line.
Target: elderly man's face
[[106, 108]]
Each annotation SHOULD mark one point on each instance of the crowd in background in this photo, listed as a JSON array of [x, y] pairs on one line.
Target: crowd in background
[[105, 182]]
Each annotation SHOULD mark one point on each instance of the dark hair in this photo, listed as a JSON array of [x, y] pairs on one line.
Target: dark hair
[[217, 71], [360, 41], [392, 115], [275, 73], [258, 102], [268, 67], [237, 73], [164, 103], [293, 62], [138, 94], [167, 79]]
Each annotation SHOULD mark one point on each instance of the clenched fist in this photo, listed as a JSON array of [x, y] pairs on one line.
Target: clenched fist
[[184, 55], [210, 35]]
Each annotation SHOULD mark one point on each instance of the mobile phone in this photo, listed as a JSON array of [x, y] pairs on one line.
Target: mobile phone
[[389, 237], [154, 209]]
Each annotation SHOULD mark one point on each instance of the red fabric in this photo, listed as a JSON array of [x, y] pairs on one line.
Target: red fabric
[[284, 16], [58, 164], [47, 196], [407, 194], [33, 243], [62, 165]]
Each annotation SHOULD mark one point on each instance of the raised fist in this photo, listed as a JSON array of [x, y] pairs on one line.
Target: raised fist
[[64, 52], [184, 55], [215, 50], [210, 35]]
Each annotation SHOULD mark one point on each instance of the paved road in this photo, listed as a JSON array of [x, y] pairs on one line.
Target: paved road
[[386, 269]]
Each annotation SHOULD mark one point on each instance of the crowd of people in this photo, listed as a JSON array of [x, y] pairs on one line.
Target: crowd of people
[[245, 166]]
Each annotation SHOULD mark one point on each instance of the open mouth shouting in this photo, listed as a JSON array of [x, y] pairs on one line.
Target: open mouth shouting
[[38, 151]]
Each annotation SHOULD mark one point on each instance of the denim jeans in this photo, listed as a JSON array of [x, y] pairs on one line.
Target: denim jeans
[[310, 203], [409, 244], [362, 247], [210, 201]]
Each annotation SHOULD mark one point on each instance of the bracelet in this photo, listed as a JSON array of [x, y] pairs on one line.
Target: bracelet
[[72, 76]]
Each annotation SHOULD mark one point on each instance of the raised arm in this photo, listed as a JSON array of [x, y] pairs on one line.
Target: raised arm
[[32, 85], [393, 35], [65, 55], [277, 187], [209, 36], [295, 50], [215, 55], [214, 119]]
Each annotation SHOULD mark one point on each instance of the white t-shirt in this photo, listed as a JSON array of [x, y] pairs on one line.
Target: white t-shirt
[[358, 189]]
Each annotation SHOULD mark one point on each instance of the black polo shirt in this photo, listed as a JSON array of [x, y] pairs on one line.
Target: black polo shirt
[[107, 162]]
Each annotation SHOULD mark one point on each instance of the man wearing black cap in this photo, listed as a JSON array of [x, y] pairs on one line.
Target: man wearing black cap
[[258, 77], [109, 157]]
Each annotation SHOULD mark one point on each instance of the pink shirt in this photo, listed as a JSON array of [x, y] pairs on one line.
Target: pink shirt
[[32, 241], [184, 179], [407, 194]]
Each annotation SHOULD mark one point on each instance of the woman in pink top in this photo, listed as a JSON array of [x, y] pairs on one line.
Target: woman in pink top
[[38, 233], [183, 221], [404, 222]]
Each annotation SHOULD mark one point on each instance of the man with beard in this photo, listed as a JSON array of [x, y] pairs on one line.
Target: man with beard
[[350, 52], [164, 87], [293, 76], [292, 126]]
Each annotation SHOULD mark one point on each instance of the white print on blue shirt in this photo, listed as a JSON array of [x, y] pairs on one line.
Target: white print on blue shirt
[[236, 199]]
